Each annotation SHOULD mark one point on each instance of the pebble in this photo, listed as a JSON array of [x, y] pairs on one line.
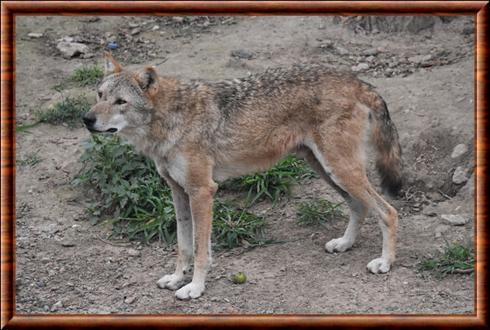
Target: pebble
[[178, 19], [35, 35], [57, 306], [370, 52], [459, 150], [459, 175], [130, 300], [341, 50], [67, 243], [133, 25], [134, 252], [455, 219], [241, 53], [135, 31], [156, 27], [360, 67], [420, 59], [70, 49]]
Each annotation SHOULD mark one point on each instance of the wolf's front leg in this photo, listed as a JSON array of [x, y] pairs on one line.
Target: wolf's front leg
[[184, 238], [201, 201]]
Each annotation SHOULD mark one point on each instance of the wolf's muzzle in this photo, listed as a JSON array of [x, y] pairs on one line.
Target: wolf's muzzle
[[89, 120]]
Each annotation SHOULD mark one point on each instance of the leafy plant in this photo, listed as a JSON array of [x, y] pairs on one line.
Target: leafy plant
[[70, 111], [456, 258], [127, 187], [317, 211], [87, 75], [274, 183]]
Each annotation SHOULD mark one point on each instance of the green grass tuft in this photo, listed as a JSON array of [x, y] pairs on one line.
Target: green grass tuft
[[126, 187], [31, 160], [87, 75], [69, 111], [272, 184], [317, 212], [456, 258]]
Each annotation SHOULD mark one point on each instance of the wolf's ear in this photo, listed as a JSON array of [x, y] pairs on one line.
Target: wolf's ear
[[148, 79], [110, 64]]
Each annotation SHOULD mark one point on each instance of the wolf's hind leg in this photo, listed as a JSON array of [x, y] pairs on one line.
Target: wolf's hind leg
[[184, 238], [358, 211]]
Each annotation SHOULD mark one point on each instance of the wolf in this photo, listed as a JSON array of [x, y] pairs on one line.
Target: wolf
[[200, 132]]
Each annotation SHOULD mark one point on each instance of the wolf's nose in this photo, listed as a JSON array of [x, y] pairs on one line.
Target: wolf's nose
[[89, 120]]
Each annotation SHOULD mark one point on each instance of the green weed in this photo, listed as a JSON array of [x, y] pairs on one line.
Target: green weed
[[31, 160], [317, 211], [456, 258], [69, 111], [87, 75], [127, 188], [272, 184]]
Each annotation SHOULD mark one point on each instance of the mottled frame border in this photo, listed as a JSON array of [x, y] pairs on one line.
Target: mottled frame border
[[9, 9]]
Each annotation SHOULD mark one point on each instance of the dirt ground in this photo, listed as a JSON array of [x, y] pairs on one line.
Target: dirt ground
[[66, 265]]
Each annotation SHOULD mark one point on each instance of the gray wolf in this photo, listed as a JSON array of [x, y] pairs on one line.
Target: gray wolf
[[199, 133]]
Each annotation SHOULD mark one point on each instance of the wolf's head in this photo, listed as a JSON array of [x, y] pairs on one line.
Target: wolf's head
[[124, 99]]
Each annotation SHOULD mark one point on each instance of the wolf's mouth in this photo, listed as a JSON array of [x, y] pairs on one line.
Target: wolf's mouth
[[110, 130]]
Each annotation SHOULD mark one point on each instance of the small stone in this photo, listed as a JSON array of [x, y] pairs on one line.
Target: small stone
[[370, 52], [88, 55], [134, 253], [455, 219], [35, 35], [135, 31], [420, 59], [178, 19], [130, 300], [56, 306], [71, 49], [370, 59], [459, 175], [440, 230], [360, 67], [243, 54], [156, 27], [459, 150], [341, 50], [67, 243], [133, 25], [214, 299]]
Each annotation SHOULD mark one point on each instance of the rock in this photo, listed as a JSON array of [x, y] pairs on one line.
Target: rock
[[440, 230], [56, 306], [459, 150], [88, 55], [67, 243], [420, 59], [370, 59], [459, 175], [71, 49], [134, 253], [360, 67], [370, 52], [341, 50], [135, 31], [243, 54], [35, 35], [133, 25], [455, 219], [130, 300], [178, 19], [156, 27]]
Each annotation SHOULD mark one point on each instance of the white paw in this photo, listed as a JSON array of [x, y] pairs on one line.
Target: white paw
[[190, 291], [172, 282], [379, 265], [338, 245]]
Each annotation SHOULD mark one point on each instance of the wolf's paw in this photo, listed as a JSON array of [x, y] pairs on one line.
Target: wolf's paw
[[338, 245], [172, 282], [190, 291], [379, 265]]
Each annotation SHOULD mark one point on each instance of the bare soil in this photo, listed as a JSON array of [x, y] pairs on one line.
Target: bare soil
[[66, 265]]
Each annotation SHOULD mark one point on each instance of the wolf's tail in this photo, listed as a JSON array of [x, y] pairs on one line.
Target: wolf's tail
[[385, 138]]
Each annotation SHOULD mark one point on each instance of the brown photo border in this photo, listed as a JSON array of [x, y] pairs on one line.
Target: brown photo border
[[9, 9]]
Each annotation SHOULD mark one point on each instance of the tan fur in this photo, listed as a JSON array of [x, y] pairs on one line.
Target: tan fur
[[201, 132]]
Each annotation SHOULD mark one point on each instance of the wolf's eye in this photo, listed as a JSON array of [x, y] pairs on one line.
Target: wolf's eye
[[120, 101]]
